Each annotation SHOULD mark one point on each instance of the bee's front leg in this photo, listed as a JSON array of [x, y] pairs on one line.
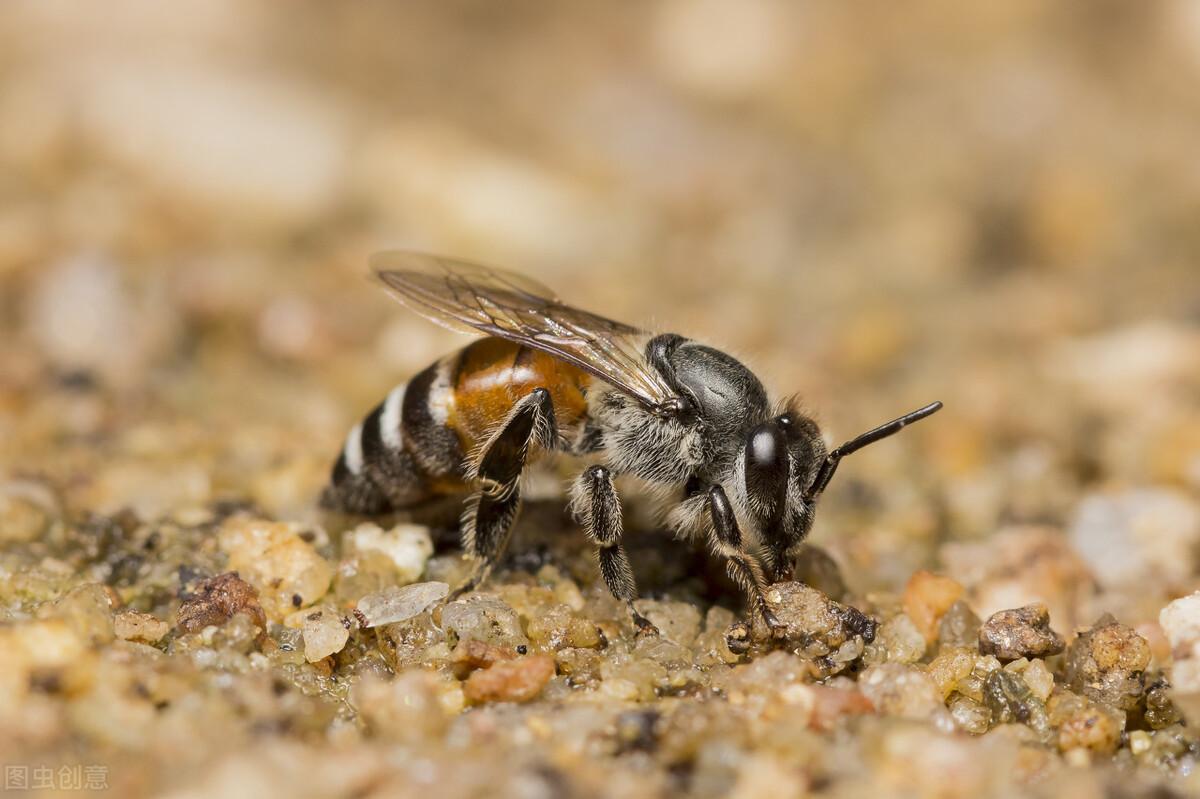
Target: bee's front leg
[[490, 512], [741, 567], [597, 507]]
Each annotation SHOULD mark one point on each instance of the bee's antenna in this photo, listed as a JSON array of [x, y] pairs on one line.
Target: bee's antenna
[[825, 473]]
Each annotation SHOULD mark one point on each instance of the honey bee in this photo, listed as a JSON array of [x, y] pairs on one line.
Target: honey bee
[[549, 377]]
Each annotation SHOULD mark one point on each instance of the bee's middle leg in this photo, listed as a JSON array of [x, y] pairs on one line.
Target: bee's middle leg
[[597, 508], [492, 510]]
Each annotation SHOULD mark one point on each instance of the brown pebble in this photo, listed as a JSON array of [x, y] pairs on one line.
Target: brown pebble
[[927, 597], [510, 680], [814, 626], [1020, 633], [472, 654], [1107, 663], [217, 600]]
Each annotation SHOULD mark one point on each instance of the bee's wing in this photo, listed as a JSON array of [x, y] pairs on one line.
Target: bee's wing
[[516, 308]]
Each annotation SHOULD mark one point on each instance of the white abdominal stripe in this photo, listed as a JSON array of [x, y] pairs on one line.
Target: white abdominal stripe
[[383, 426], [390, 428], [352, 452]]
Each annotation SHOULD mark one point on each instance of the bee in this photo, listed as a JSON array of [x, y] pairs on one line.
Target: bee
[[548, 377]]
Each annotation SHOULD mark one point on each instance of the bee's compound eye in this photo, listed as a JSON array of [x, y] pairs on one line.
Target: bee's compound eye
[[766, 449], [767, 472]]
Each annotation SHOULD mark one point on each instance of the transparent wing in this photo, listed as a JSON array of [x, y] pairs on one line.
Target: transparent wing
[[513, 307]]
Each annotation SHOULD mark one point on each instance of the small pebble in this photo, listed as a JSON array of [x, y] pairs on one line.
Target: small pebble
[[1024, 632], [969, 715], [927, 598], [324, 634], [1036, 676], [813, 625], [216, 600], [901, 639], [676, 621], [471, 654], [276, 559], [959, 626], [1161, 712], [896, 689], [407, 546], [558, 626], [510, 681], [950, 667], [1010, 700], [397, 604], [484, 618], [1107, 663], [1180, 622], [1083, 724], [133, 625]]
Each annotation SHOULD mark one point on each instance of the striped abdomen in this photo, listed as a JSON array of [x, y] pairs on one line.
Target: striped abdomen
[[414, 445]]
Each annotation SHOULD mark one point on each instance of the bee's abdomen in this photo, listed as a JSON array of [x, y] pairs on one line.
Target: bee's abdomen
[[413, 446], [403, 452]]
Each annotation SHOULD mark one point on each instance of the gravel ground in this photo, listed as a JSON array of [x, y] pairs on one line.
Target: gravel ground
[[873, 207]]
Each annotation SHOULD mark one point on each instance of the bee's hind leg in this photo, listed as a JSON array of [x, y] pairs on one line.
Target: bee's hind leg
[[490, 512], [742, 568], [597, 507]]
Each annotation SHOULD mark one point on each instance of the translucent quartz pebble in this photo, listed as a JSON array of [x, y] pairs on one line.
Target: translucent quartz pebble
[[397, 604]]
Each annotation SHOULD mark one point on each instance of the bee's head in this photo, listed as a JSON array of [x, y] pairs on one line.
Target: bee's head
[[787, 467]]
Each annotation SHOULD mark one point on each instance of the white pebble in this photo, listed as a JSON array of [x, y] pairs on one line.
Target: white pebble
[[324, 635], [1138, 535], [397, 604], [408, 546], [1180, 622]]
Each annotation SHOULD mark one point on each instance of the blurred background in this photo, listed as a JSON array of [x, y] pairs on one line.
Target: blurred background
[[874, 205]]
